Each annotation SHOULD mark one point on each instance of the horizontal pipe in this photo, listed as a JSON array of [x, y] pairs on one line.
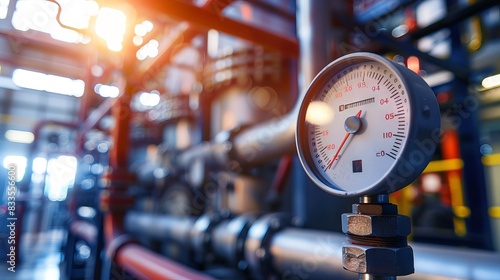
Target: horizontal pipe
[[312, 254], [146, 264], [84, 230], [160, 227], [309, 254], [274, 138], [454, 263], [265, 141], [212, 154]]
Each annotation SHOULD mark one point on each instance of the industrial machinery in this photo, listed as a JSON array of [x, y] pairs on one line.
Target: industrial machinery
[[280, 139]]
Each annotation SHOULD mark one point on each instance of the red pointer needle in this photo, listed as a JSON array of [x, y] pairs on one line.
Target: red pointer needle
[[341, 144]]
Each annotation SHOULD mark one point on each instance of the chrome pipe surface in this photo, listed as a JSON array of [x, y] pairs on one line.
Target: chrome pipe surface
[[160, 227]]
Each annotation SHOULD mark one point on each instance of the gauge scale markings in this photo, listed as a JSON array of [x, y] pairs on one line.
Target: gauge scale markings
[[350, 76], [364, 129]]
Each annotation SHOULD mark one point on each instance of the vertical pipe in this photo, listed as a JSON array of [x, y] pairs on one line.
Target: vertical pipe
[[312, 28], [314, 36], [118, 158]]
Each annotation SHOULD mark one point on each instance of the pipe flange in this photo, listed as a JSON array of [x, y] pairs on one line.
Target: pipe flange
[[228, 240], [258, 240], [243, 224], [201, 236]]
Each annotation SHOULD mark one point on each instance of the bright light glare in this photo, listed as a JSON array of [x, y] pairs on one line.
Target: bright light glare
[[148, 50], [143, 28], [149, 99], [61, 172], [319, 113], [86, 212], [40, 15], [107, 91], [111, 25], [137, 40], [148, 24], [491, 81], [50, 83], [114, 46], [18, 136], [39, 165], [413, 64], [140, 30], [400, 31], [77, 13], [19, 162], [4, 8], [438, 78]]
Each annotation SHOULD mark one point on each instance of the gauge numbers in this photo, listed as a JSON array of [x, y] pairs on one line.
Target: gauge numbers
[[358, 122]]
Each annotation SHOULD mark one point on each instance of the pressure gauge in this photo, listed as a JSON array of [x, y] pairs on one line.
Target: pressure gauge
[[366, 126]]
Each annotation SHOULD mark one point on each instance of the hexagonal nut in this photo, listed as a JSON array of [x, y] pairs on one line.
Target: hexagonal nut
[[378, 260], [376, 225], [375, 208]]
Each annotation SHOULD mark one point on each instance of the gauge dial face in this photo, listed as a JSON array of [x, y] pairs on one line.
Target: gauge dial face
[[357, 125], [365, 126]]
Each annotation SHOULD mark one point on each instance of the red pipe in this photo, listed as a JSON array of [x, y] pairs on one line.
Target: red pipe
[[146, 264], [115, 200]]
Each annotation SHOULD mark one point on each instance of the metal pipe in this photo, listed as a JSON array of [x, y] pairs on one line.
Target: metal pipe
[[160, 227], [311, 254], [137, 260], [274, 138], [228, 238], [308, 254], [146, 264], [454, 263]]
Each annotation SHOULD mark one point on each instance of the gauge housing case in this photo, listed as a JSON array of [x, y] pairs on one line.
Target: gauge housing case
[[419, 145]]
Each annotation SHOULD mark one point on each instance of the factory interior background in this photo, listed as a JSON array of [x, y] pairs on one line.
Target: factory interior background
[[156, 139]]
